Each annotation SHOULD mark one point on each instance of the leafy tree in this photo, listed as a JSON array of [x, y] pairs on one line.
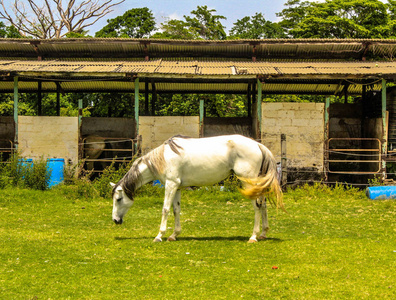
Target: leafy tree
[[203, 24], [256, 27], [134, 23], [215, 105], [206, 24], [293, 14], [9, 32], [175, 29], [337, 19]]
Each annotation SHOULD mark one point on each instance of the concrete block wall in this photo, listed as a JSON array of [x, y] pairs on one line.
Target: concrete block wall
[[156, 130], [303, 124], [48, 137]]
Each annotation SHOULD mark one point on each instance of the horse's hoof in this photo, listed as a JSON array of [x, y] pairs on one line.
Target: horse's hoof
[[262, 237], [252, 241], [157, 240], [171, 239]]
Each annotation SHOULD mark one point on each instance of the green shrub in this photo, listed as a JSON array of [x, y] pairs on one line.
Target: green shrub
[[110, 174], [36, 176], [19, 172]]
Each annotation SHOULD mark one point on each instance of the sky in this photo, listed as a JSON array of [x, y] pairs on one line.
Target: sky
[[176, 9]]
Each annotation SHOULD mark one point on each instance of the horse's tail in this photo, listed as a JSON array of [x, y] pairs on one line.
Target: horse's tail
[[266, 184]]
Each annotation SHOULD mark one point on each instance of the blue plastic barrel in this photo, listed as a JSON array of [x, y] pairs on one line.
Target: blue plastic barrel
[[381, 192], [158, 183], [56, 166], [26, 162]]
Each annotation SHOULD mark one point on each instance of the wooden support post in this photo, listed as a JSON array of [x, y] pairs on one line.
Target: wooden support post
[[283, 160], [58, 91], [249, 100], [80, 109], [153, 98], [259, 101], [326, 137], [384, 129], [137, 106], [201, 117], [346, 93], [146, 97], [364, 110], [16, 112], [39, 98]]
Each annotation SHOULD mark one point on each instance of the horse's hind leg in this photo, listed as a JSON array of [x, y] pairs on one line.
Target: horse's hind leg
[[176, 212], [257, 219], [264, 217], [260, 212]]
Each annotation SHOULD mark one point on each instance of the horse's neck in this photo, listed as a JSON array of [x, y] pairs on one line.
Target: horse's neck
[[145, 175]]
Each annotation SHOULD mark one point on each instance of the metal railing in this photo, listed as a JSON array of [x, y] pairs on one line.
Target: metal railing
[[6, 152], [112, 155], [359, 157]]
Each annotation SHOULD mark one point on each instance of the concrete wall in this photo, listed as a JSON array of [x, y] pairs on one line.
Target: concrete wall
[[156, 130], [303, 124], [48, 137]]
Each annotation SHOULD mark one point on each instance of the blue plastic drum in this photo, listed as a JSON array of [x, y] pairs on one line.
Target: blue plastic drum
[[381, 192], [56, 166]]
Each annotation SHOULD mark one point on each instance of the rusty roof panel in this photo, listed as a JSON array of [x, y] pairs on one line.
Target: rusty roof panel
[[206, 68]]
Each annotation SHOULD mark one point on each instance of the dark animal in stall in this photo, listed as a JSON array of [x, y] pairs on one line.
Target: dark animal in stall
[[103, 151]]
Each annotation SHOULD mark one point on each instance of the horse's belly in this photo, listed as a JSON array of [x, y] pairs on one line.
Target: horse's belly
[[203, 176]]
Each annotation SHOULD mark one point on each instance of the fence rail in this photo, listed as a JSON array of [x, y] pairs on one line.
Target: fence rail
[[354, 156], [111, 155]]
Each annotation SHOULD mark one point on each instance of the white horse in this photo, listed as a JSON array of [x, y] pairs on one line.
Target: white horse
[[182, 162]]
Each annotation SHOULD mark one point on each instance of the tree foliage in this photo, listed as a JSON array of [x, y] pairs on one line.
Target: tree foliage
[[256, 27], [134, 23], [338, 19], [202, 24]]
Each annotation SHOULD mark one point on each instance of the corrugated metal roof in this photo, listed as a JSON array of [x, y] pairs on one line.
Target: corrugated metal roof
[[201, 69], [264, 49], [284, 65]]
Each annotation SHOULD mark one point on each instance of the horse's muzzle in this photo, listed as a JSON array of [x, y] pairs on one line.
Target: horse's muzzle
[[118, 222]]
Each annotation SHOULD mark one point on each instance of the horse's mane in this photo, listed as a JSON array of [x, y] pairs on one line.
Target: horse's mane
[[154, 160]]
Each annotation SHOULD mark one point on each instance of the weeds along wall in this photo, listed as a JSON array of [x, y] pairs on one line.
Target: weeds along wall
[[48, 137]]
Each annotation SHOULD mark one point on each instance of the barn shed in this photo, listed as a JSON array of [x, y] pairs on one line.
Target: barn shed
[[323, 140]]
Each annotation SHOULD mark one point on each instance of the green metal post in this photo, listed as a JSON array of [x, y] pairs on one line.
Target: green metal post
[[259, 100], [384, 129], [201, 116], [137, 106], [16, 111]]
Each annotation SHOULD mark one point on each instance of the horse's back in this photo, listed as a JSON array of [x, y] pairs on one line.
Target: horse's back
[[209, 160]]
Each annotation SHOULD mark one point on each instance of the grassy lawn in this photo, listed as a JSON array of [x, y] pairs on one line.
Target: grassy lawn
[[333, 244]]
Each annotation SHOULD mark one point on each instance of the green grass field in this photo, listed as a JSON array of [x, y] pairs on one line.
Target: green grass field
[[333, 244]]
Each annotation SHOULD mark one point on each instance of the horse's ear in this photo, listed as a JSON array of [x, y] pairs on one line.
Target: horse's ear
[[112, 184]]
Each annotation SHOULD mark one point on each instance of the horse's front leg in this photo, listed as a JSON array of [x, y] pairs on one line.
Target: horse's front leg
[[171, 188], [176, 212]]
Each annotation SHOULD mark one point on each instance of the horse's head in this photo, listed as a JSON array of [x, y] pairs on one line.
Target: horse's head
[[121, 203]]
